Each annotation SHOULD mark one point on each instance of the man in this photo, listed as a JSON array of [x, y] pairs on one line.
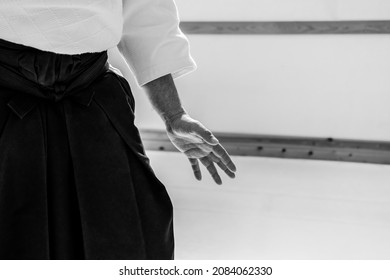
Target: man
[[74, 179]]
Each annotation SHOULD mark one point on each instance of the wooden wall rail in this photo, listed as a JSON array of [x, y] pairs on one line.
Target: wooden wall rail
[[287, 27], [286, 147]]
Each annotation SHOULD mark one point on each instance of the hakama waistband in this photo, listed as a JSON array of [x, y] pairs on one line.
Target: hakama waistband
[[47, 75]]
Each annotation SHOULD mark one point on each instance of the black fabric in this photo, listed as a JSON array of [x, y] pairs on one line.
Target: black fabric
[[74, 179]]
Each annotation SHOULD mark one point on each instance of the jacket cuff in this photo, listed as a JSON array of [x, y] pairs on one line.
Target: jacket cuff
[[176, 68]]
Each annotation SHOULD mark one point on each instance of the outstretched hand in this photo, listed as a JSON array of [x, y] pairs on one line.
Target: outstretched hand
[[199, 144], [188, 135]]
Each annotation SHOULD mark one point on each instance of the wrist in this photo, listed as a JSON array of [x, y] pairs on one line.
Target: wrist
[[172, 116]]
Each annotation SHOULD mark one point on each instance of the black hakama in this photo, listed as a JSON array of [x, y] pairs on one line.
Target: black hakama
[[74, 179]]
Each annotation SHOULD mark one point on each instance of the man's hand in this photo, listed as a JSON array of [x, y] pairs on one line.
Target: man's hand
[[187, 134], [198, 143]]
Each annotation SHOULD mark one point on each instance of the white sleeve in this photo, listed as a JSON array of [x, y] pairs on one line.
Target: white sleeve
[[152, 43]]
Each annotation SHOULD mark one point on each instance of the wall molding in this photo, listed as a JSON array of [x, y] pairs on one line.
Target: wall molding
[[286, 27], [377, 152]]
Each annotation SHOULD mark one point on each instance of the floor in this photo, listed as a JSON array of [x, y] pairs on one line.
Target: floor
[[279, 209]]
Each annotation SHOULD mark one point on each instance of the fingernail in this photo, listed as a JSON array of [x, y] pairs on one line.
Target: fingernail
[[214, 140]]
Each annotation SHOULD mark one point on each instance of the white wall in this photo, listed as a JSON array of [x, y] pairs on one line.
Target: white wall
[[304, 85], [284, 10], [292, 85]]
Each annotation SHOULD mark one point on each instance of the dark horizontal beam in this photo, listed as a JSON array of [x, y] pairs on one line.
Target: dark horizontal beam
[[287, 27], [286, 147]]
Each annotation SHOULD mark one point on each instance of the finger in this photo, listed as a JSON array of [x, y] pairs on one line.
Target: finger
[[212, 170], [201, 131], [226, 170], [220, 152], [221, 165], [195, 168]]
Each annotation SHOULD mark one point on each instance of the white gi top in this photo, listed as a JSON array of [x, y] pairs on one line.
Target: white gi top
[[146, 31]]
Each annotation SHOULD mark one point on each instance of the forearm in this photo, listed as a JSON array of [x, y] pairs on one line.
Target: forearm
[[164, 97]]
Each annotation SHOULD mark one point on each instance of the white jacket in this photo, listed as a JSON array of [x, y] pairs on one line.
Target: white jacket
[[146, 31]]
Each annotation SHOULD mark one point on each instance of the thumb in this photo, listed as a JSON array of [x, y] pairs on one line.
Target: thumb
[[201, 131]]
